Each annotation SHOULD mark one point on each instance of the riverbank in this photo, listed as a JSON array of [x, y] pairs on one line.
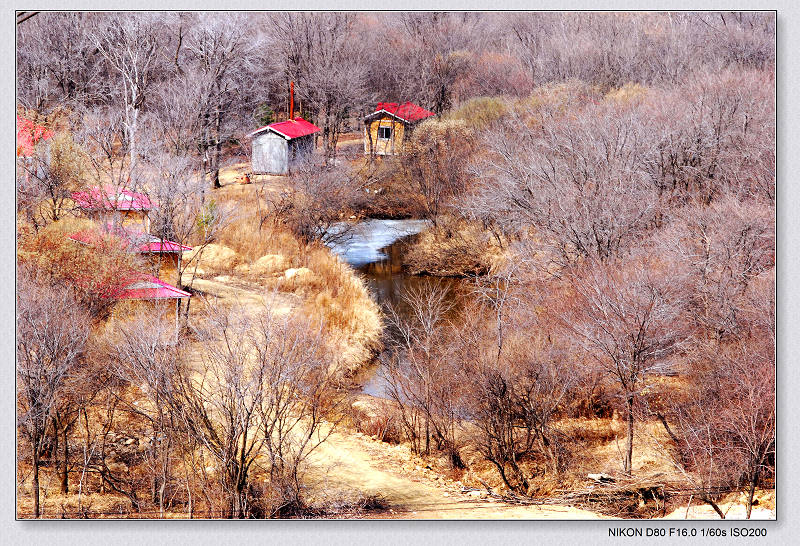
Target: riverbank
[[454, 248]]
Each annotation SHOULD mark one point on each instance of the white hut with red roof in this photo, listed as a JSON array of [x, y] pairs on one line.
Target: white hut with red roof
[[279, 145]]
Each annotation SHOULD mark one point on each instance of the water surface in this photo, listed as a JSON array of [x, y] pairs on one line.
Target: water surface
[[375, 248]]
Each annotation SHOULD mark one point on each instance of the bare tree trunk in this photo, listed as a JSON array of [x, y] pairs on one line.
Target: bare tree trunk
[[36, 479], [64, 463], [217, 149], [715, 506], [751, 493], [629, 441]]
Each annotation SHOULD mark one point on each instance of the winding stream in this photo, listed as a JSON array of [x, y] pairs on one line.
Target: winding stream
[[375, 248]]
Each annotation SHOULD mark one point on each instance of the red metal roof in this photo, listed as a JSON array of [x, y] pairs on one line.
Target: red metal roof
[[289, 129], [140, 242], [108, 198], [408, 111], [141, 286], [159, 246], [28, 134]]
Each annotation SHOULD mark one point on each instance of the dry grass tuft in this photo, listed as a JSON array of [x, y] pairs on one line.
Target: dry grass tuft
[[336, 295]]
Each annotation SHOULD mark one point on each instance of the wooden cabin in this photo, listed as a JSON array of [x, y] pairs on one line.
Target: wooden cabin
[[386, 128], [142, 290], [116, 206], [277, 146]]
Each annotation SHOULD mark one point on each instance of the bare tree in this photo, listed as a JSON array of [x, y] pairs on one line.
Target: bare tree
[[627, 319], [430, 52], [185, 212], [102, 139], [714, 135], [58, 64], [514, 402], [519, 383], [220, 56], [145, 357], [723, 426], [131, 46], [722, 248], [578, 181], [422, 378], [52, 329], [324, 54], [258, 399]]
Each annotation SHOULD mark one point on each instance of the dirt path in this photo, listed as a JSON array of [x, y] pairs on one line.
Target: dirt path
[[229, 291], [358, 463]]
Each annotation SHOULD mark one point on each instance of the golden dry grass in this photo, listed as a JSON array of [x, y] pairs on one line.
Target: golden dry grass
[[58, 505], [454, 248], [263, 257]]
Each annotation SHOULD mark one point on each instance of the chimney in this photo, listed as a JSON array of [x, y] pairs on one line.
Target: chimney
[[291, 100]]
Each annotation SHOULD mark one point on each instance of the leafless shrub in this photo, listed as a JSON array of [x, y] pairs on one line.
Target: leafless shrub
[[435, 163], [316, 202], [258, 398], [52, 330], [46, 179]]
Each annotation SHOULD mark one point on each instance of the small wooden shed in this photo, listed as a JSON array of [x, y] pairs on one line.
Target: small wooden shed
[[390, 123], [118, 206], [277, 146], [141, 287]]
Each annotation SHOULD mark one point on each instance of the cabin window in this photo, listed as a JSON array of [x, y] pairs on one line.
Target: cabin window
[[384, 133]]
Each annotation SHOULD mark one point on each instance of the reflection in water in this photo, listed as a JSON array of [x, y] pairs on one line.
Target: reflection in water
[[376, 249]]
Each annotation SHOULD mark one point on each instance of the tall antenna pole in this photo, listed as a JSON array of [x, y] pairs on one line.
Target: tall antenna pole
[[291, 100]]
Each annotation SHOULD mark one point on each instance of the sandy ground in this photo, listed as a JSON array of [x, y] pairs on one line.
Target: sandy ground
[[356, 462], [731, 511]]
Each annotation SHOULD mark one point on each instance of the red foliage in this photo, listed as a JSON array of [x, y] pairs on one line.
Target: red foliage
[[28, 135]]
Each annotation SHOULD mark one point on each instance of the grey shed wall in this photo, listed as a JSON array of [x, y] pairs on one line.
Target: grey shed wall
[[270, 154]]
